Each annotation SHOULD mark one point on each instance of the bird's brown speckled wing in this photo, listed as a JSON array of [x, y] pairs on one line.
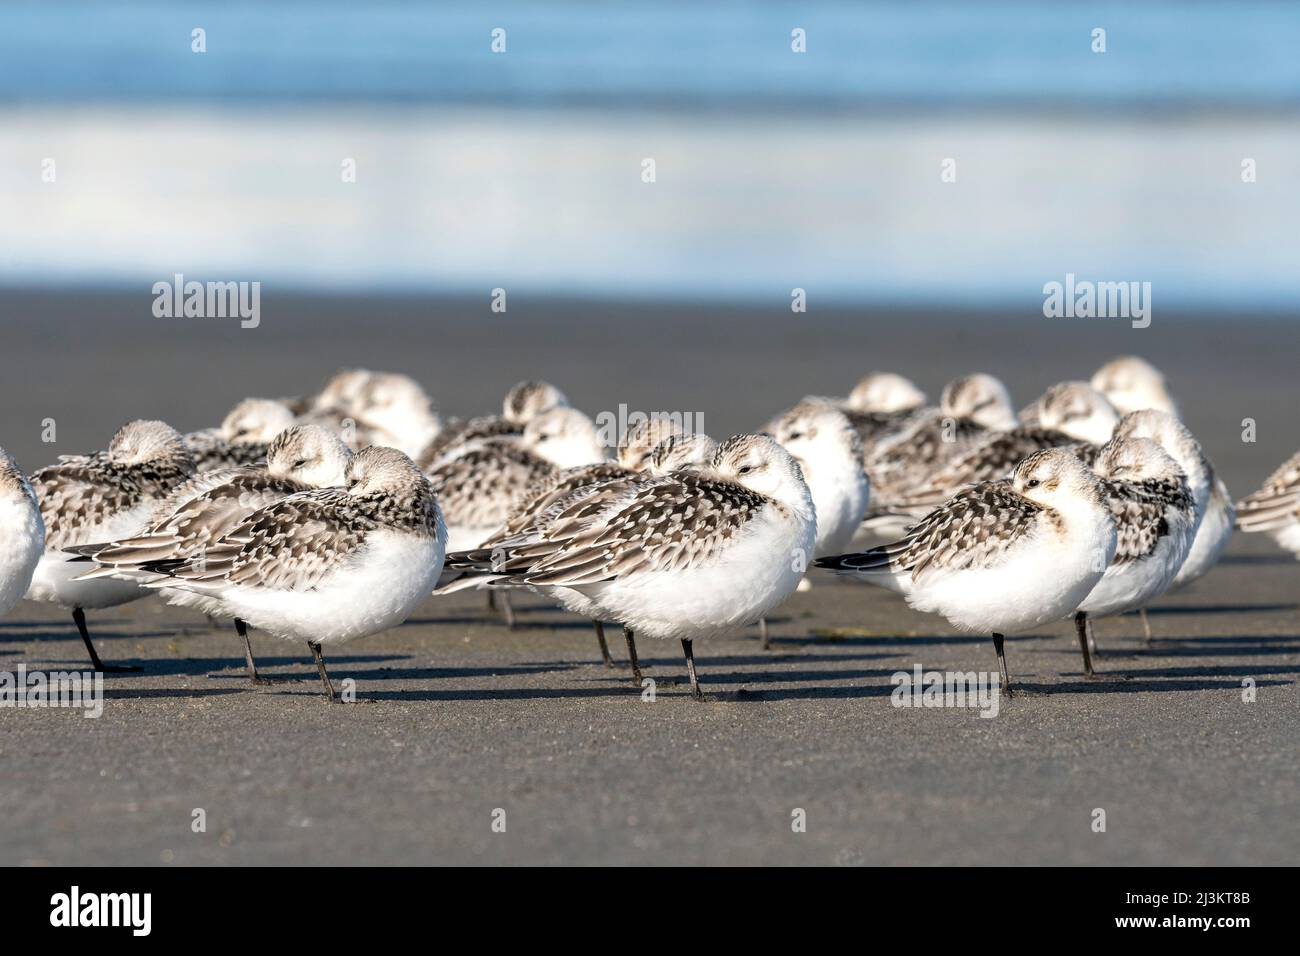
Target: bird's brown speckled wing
[[1139, 512], [660, 524]]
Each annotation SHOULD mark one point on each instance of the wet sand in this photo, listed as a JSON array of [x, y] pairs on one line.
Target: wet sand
[[459, 717]]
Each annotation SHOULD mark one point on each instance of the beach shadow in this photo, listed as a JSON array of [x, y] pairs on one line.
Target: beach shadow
[[1175, 609], [448, 673], [148, 693], [38, 637], [473, 694], [897, 640], [1137, 682]]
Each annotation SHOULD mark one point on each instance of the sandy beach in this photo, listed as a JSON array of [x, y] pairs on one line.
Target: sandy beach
[[459, 717]]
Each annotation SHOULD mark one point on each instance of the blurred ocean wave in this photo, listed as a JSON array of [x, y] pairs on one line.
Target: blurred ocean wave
[[774, 170]]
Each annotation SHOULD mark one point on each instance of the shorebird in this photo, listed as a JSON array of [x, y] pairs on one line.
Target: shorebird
[[243, 435], [329, 565], [1132, 384], [881, 404], [524, 402], [1155, 518], [100, 497], [1275, 507], [885, 393], [1002, 556], [971, 409], [823, 441], [587, 487], [1071, 413], [1210, 494], [209, 506], [565, 437], [479, 482], [683, 556], [22, 533]]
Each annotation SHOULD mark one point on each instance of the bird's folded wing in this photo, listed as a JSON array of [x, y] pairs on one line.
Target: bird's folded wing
[[289, 545]]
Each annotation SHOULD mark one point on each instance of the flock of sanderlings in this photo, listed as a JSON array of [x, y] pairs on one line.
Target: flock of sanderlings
[[328, 518]]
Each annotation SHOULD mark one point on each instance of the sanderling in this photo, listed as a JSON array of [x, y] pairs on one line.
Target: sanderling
[[1210, 494], [376, 408], [100, 497], [552, 498], [243, 435], [879, 405], [1275, 507], [524, 402], [685, 555], [885, 393], [1069, 413], [1155, 520], [636, 453], [1002, 556], [826, 447], [1132, 384], [479, 482], [565, 437], [207, 507], [22, 532], [328, 565], [970, 409]]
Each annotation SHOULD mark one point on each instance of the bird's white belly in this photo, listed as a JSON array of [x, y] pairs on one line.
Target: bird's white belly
[[1043, 581], [377, 590], [53, 583], [22, 541], [1211, 538], [1289, 538], [839, 508], [752, 577], [1129, 586]]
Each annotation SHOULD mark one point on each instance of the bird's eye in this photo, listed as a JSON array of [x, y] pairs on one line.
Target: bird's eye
[[795, 436], [746, 469], [1032, 483], [300, 462]]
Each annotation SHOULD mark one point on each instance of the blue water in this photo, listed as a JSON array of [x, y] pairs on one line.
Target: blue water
[[777, 169], [732, 55]]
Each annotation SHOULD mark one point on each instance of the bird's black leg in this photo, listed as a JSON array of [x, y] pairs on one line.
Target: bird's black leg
[[690, 669], [249, 663], [762, 634], [324, 677], [1081, 626], [630, 637], [79, 616], [1002, 664], [604, 647], [507, 610]]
